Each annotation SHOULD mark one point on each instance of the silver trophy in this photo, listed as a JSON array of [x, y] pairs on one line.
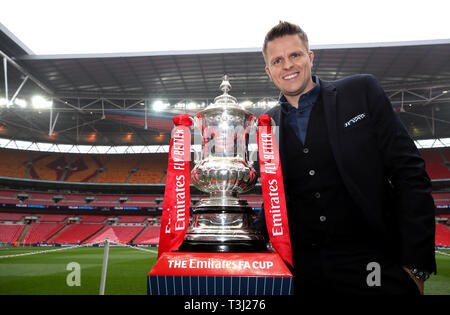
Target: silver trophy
[[221, 223]]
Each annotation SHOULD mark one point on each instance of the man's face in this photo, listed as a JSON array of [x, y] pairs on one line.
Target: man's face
[[289, 64]]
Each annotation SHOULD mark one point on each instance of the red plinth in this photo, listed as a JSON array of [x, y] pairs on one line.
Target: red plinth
[[220, 273]]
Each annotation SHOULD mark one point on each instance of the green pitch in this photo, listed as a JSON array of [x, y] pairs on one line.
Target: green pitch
[[48, 273], [440, 284]]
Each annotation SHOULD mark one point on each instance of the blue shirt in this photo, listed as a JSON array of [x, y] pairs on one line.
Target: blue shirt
[[298, 118]]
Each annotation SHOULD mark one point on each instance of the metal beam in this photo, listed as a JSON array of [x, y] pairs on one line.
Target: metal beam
[[18, 89], [21, 69], [52, 123], [5, 69]]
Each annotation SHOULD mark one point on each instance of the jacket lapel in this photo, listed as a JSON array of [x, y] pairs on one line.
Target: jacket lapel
[[329, 94]]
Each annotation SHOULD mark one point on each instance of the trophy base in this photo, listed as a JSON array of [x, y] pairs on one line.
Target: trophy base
[[223, 247], [222, 229], [225, 274]]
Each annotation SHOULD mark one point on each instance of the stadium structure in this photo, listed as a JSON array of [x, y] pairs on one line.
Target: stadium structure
[[84, 138]]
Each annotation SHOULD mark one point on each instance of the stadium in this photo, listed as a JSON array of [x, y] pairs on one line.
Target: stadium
[[84, 143]]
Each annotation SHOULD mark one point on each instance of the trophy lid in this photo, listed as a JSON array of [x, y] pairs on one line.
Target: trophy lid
[[225, 100]]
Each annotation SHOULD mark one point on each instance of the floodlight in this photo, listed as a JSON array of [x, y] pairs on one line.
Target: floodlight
[[20, 102], [247, 103], [159, 106], [191, 105], [39, 102]]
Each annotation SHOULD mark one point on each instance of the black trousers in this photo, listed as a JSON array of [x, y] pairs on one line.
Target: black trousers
[[349, 271]]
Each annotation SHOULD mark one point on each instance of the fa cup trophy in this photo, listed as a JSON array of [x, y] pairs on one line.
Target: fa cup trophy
[[214, 249], [222, 222]]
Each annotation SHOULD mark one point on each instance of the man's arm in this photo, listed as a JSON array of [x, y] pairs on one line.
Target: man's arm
[[414, 205]]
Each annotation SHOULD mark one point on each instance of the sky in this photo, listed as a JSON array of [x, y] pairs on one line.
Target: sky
[[50, 27]]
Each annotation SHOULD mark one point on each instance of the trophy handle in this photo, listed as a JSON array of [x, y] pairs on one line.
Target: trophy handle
[[197, 147], [253, 142]]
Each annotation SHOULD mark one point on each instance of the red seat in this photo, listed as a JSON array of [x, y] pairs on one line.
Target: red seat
[[77, 232], [40, 232], [149, 236], [442, 235], [9, 233]]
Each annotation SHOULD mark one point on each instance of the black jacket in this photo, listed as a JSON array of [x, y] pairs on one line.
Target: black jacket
[[379, 165]]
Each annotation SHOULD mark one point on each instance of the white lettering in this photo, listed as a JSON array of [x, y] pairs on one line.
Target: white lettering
[[373, 278], [74, 277], [204, 305], [180, 188], [275, 208]]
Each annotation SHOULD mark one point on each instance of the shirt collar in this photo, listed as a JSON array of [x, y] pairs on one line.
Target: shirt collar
[[306, 99]]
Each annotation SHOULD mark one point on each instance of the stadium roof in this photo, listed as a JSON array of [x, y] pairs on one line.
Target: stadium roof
[[104, 98]]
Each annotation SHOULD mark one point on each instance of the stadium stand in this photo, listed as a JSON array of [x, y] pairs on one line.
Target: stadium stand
[[132, 219], [14, 163], [437, 164], [131, 168], [75, 200], [117, 233], [442, 235], [93, 218], [8, 216], [150, 170], [48, 166], [85, 168], [76, 233], [149, 236], [52, 217], [99, 168], [40, 228], [41, 232], [10, 233], [441, 199], [119, 168]]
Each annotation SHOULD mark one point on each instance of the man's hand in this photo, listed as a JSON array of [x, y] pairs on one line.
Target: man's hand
[[419, 283]]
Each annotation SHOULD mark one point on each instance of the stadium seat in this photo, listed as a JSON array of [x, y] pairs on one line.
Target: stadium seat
[[118, 168], [12, 216], [14, 163], [84, 167], [9, 233], [76, 233], [118, 233], [132, 218], [149, 236], [434, 162], [442, 235], [41, 232], [71, 167]]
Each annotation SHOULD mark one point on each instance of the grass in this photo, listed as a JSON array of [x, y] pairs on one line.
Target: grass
[[46, 273], [440, 284]]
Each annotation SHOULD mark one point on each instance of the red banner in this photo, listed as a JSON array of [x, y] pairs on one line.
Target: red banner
[[175, 215], [273, 190]]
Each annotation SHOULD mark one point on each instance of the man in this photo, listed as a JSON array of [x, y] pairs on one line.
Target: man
[[360, 210]]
